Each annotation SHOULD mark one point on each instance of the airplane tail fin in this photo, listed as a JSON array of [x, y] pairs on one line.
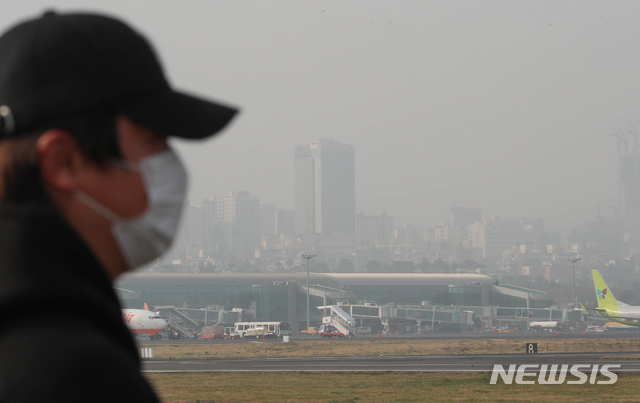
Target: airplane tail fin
[[586, 313], [146, 308], [605, 297]]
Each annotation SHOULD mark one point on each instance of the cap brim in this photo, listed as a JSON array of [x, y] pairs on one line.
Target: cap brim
[[180, 115]]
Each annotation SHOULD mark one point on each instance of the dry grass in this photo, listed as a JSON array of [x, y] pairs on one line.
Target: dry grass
[[376, 387], [621, 357], [341, 348]]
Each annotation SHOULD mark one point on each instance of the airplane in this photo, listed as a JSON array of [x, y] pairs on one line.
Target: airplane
[[609, 307], [144, 321]]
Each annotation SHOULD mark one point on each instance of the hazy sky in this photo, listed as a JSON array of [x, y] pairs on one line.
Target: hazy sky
[[502, 105]]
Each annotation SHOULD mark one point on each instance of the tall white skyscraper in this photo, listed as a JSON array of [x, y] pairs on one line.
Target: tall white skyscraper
[[325, 189]]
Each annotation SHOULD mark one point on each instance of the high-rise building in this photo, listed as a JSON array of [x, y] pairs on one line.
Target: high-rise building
[[408, 234], [203, 230], [375, 228], [267, 220], [240, 214], [325, 194], [629, 189], [495, 236], [462, 217], [602, 237], [285, 221]]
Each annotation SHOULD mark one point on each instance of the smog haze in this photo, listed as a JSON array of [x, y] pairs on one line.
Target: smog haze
[[505, 106]]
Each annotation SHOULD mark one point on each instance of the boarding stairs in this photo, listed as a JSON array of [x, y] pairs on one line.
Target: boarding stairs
[[184, 332], [340, 320]]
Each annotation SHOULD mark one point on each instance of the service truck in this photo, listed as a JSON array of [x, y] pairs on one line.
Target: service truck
[[548, 326], [329, 331], [213, 332], [259, 332], [310, 330], [230, 333], [506, 329]]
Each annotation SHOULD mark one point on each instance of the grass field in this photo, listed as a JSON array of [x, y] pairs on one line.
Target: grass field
[[621, 357], [376, 387], [341, 348]]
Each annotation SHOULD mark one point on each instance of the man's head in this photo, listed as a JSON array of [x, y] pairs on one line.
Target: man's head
[[61, 64], [83, 101]]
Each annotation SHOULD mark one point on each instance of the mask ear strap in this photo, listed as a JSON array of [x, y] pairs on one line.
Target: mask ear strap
[[97, 207]]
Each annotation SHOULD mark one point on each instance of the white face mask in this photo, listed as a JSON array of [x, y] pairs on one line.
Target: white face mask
[[144, 238]]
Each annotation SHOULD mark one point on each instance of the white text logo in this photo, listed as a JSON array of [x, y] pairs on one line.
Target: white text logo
[[528, 374]]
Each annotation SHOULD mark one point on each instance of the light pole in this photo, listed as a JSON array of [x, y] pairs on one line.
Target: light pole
[[573, 261], [308, 257]]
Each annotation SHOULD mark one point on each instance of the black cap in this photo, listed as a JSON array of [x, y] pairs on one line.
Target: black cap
[[61, 64]]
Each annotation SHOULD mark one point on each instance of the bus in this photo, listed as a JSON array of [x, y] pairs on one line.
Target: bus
[[278, 329]]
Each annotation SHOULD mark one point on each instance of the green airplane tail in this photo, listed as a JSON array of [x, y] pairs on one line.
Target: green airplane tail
[[586, 312], [605, 297]]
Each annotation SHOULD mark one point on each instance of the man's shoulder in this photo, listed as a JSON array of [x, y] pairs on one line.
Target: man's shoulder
[[77, 364]]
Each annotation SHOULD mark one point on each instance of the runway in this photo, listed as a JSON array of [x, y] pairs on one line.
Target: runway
[[427, 336], [428, 363]]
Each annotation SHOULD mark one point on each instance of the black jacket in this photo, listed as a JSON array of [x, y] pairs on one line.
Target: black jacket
[[62, 337]]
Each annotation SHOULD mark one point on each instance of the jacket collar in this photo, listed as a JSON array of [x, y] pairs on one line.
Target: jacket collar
[[46, 268]]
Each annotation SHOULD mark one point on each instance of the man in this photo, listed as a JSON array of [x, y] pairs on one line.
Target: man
[[89, 189]]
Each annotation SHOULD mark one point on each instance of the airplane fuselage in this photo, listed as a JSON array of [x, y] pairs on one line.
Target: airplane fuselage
[[140, 321], [628, 315]]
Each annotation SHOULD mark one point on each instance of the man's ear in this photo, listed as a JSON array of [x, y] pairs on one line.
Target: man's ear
[[59, 159]]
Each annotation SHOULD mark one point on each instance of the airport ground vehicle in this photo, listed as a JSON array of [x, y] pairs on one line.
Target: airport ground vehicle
[[260, 332], [219, 332], [230, 333], [213, 332], [173, 335], [329, 331], [506, 329], [310, 331], [363, 330], [595, 329], [548, 326], [619, 327], [278, 328]]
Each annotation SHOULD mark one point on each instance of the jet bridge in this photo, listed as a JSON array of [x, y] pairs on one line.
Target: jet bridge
[[430, 314]]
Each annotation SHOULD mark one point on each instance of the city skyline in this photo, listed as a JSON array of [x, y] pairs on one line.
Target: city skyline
[[325, 176], [302, 152]]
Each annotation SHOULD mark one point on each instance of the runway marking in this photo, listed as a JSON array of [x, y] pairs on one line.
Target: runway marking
[[391, 360], [346, 370], [320, 370], [360, 365], [426, 364], [436, 356], [387, 364]]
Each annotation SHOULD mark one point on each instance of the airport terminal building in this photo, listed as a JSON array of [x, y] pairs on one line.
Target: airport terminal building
[[282, 296]]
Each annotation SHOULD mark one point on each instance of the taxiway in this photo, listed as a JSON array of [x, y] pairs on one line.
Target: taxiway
[[427, 363]]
